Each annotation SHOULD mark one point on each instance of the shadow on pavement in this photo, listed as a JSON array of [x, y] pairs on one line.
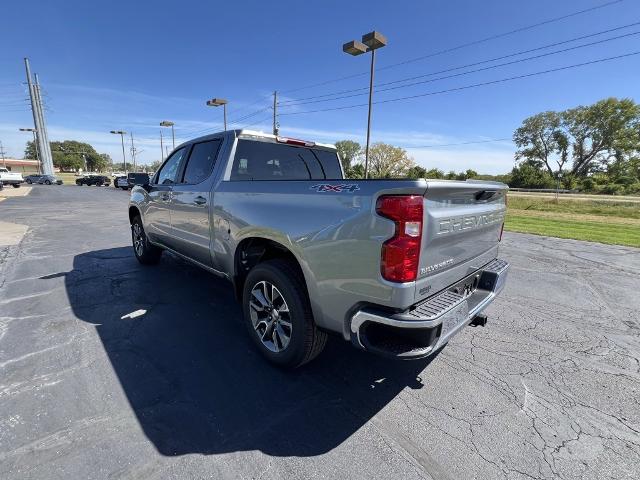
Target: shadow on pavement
[[194, 380]]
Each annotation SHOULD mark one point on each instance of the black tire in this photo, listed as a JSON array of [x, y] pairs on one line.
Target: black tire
[[145, 252], [29, 181], [16, 185], [124, 188], [306, 341], [48, 182]]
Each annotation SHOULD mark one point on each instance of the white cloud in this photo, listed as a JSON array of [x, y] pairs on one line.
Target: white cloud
[[488, 160]]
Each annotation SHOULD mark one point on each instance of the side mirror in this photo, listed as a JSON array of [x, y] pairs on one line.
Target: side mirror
[[141, 179]]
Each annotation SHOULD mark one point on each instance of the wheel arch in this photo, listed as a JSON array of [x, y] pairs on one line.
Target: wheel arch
[[134, 211]]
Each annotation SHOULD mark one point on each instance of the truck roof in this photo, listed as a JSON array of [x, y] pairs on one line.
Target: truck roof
[[243, 132]]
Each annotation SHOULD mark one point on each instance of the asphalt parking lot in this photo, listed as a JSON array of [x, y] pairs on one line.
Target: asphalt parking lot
[[112, 370]]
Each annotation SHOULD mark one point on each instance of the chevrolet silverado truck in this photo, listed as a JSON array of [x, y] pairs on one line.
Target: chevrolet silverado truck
[[9, 178], [397, 267]]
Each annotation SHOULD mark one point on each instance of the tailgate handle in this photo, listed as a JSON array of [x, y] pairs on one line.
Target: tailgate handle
[[485, 194]]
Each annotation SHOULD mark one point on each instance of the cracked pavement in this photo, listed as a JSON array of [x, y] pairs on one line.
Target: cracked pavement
[[550, 388]]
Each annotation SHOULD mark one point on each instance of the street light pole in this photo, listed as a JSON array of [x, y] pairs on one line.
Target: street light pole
[[216, 102], [167, 123], [35, 145], [370, 43], [161, 147], [366, 150], [122, 133]]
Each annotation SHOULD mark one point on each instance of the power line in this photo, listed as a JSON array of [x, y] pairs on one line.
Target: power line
[[466, 87], [461, 46], [237, 121], [491, 67], [502, 57], [493, 140], [256, 122]]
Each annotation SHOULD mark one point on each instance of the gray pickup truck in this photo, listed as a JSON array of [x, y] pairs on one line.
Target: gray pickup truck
[[395, 266]]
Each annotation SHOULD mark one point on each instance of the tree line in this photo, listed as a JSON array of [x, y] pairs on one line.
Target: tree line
[[387, 161], [71, 156]]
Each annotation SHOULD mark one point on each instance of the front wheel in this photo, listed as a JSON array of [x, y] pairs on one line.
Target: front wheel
[[29, 181], [278, 315], [146, 253], [48, 182]]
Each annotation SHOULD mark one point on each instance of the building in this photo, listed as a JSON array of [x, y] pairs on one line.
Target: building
[[20, 165]]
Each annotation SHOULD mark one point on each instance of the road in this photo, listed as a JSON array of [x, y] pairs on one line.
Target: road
[[113, 370]]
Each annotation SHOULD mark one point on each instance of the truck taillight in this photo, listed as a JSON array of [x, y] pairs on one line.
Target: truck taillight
[[401, 253]]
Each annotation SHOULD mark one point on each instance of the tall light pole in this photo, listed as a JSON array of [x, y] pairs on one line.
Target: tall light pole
[[370, 43], [122, 133], [167, 123], [216, 102], [35, 145]]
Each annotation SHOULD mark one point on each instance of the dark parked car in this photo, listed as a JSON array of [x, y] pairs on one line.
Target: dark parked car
[[98, 180], [33, 178]]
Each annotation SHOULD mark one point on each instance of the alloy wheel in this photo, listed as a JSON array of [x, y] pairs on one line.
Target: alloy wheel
[[138, 239], [270, 316]]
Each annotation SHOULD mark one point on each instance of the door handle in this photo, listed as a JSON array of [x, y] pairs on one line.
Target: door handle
[[199, 200]]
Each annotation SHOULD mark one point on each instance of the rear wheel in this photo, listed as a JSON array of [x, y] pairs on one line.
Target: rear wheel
[[145, 252], [16, 185], [48, 182], [29, 181], [278, 315]]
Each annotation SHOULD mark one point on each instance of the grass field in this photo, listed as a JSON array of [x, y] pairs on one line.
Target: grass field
[[615, 223]]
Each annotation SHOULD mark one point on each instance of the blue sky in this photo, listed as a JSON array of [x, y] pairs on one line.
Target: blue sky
[[129, 65]]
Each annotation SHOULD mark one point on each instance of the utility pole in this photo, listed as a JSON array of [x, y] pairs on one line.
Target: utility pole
[[275, 114], [38, 123], [4, 161], [45, 135], [133, 153]]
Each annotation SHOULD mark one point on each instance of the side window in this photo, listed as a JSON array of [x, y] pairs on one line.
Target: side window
[[169, 171], [201, 161]]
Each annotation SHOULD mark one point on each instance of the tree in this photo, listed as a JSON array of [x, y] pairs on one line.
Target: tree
[[30, 151], [349, 152], [417, 172], [435, 173], [589, 138], [387, 161], [72, 155], [601, 132], [155, 166], [529, 175], [541, 140]]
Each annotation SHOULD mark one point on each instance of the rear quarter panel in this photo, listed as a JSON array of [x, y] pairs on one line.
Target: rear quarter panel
[[334, 233]]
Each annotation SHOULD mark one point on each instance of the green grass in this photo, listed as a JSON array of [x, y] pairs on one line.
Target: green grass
[[603, 232], [576, 207]]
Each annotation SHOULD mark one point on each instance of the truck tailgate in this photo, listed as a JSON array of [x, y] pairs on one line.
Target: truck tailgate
[[461, 231]]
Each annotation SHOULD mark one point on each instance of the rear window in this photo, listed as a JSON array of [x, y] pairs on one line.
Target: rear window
[[272, 161]]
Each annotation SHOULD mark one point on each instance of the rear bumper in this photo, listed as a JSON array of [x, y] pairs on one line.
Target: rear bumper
[[424, 327]]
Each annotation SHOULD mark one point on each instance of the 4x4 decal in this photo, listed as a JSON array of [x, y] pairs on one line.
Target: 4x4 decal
[[327, 187]]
